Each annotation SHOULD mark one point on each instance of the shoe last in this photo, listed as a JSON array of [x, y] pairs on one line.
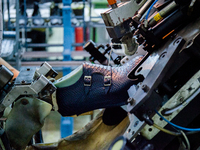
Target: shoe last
[[98, 87]]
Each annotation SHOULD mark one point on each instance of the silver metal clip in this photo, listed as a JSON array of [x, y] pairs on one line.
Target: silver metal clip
[[87, 80], [107, 81]]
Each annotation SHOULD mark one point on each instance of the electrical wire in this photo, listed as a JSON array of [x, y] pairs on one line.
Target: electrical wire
[[150, 9], [166, 131], [186, 140], [176, 126], [186, 101], [172, 132]]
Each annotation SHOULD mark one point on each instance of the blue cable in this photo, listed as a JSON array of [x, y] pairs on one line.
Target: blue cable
[[150, 9], [176, 126]]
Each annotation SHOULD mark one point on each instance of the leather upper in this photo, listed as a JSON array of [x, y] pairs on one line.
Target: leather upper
[[99, 87]]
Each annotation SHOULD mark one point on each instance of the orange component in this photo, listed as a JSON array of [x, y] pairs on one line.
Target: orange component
[[167, 34], [111, 2], [15, 72]]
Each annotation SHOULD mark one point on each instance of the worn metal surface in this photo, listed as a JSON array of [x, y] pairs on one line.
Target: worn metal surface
[[6, 76], [156, 74], [117, 20], [32, 89], [46, 70], [148, 64], [114, 17], [176, 51], [140, 51], [177, 103], [31, 82], [131, 44], [134, 128], [26, 75]]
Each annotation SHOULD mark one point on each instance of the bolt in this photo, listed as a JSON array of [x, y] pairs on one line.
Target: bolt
[[181, 99], [23, 81], [145, 88], [136, 123], [130, 100]]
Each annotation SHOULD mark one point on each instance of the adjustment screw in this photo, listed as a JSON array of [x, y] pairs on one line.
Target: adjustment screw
[[136, 123], [145, 88], [23, 81], [130, 100]]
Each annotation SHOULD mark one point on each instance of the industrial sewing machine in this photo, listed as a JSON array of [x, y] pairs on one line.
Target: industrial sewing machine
[[163, 108]]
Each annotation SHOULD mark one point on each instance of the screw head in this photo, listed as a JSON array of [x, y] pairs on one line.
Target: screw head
[[23, 81], [130, 100], [145, 88]]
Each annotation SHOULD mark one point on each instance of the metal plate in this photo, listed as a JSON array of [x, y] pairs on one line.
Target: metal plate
[[177, 103]]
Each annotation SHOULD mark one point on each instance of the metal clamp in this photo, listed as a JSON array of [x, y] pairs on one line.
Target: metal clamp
[[47, 70], [34, 88], [31, 82]]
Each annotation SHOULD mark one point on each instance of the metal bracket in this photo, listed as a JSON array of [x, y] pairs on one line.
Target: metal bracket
[[155, 76], [31, 82], [134, 128], [47, 70], [176, 104], [33, 89]]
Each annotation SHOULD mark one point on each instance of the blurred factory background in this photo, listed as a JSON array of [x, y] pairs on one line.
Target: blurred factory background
[[55, 31]]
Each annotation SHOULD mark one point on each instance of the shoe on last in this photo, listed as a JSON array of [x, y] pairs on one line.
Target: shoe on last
[[98, 86]]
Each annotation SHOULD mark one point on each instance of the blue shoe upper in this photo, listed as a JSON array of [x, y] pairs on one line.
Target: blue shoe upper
[[98, 87]]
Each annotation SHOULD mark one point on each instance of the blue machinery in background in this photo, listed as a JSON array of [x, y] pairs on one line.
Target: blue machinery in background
[[66, 128]]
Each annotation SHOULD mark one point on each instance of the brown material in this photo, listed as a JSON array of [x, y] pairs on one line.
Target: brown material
[[94, 136], [15, 72]]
